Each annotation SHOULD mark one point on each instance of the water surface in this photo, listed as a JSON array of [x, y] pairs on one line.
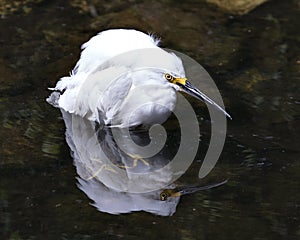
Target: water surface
[[254, 60]]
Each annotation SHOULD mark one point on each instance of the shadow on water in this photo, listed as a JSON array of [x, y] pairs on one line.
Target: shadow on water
[[254, 60]]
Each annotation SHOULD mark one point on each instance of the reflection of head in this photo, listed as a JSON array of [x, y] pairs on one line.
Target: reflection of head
[[110, 201]]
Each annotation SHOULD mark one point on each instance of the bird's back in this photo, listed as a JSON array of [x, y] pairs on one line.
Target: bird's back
[[109, 44]]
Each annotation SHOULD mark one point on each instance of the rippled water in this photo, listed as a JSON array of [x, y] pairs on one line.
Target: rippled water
[[254, 60]]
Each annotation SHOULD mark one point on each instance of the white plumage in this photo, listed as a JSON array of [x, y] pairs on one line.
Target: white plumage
[[110, 43], [123, 79]]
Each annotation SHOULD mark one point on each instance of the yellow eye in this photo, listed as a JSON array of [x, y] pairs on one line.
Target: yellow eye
[[169, 77]]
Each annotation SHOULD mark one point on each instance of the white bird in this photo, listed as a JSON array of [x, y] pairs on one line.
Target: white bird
[[124, 79]]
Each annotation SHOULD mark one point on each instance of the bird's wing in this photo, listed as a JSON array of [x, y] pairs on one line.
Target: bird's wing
[[100, 96]]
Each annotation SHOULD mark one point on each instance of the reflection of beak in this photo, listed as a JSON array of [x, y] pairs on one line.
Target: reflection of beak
[[166, 193], [187, 87]]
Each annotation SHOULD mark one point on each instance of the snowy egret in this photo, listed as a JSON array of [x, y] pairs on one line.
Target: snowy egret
[[124, 79]]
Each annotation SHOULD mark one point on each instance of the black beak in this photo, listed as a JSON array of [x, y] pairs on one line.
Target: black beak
[[193, 91]]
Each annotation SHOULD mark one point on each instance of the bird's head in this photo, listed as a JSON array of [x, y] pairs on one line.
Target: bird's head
[[181, 84]]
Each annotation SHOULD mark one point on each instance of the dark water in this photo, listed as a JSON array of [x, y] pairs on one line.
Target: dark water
[[254, 60]]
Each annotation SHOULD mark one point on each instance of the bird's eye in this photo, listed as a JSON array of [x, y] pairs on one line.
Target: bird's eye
[[169, 77], [163, 196]]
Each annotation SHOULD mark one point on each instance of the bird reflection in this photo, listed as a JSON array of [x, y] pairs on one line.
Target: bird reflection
[[117, 179]]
